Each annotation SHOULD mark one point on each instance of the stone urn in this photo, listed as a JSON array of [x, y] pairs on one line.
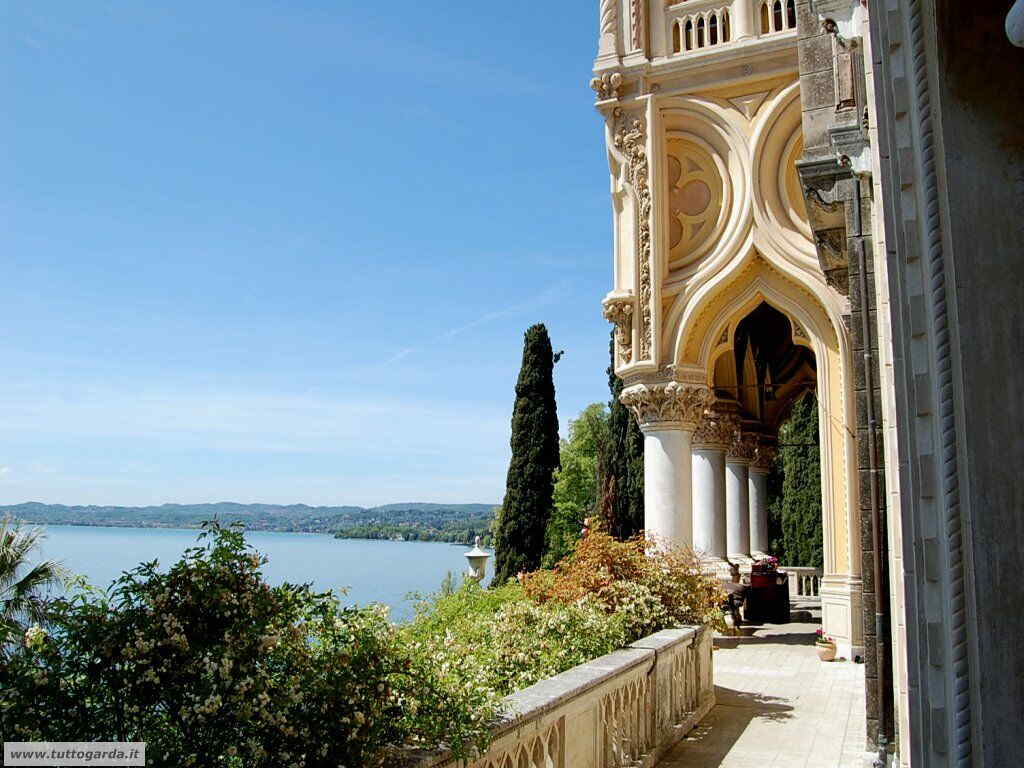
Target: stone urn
[[826, 650]]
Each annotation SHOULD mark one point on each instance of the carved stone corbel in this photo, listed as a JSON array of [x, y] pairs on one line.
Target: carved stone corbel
[[618, 310]]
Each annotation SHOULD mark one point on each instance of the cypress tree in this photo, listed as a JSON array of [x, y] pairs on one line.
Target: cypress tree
[[525, 512], [622, 476], [798, 537]]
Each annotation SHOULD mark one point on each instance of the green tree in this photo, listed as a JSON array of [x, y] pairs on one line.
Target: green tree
[[622, 483], [530, 485], [583, 457], [23, 586], [795, 528]]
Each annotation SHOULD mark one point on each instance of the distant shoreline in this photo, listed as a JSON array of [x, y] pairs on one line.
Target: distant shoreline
[[156, 527], [414, 521]]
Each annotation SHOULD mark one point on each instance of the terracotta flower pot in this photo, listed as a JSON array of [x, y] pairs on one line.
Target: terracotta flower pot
[[826, 651], [760, 580]]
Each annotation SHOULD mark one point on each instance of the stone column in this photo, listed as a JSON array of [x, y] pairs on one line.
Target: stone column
[[743, 19], [667, 414], [737, 499], [710, 441], [758, 492]]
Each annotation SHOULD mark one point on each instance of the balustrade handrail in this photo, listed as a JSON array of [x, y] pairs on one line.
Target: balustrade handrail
[[642, 699], [804, 581]]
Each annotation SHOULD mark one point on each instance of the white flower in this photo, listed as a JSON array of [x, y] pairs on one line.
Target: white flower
[[35, 637]]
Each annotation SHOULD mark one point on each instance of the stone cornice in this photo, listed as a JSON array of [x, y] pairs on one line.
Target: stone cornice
[[666, 404]]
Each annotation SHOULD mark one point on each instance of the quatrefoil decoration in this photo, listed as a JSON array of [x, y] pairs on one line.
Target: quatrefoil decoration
[[694, 197]]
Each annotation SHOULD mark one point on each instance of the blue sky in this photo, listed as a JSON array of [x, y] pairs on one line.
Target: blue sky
[[285, 252]]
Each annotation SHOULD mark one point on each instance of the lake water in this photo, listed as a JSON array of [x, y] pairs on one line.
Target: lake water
[[373, 571]]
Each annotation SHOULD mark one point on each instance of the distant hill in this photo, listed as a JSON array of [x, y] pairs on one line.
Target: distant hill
[[414, 520]]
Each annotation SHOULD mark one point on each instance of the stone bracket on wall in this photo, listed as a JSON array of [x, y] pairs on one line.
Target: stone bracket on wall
[[829, 187]]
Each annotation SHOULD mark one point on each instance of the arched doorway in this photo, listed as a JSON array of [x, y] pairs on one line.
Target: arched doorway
[[759, 374], [757, 338]]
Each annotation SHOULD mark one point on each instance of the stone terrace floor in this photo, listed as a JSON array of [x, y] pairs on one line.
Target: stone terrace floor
[[778, 704]]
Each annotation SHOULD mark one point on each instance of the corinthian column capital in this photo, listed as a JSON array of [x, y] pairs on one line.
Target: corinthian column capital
[[743, 446], [763, 457], [666, 404], [716, 429]]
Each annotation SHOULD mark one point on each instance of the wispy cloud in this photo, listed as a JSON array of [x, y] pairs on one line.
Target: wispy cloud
[[542, 299], [399, 355]]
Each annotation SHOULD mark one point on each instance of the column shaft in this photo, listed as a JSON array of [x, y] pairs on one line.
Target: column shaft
[[737, 496], [709, 501], [758, 491], [667, 510], [743, 19]]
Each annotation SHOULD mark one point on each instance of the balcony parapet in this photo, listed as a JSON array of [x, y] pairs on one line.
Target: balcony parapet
[[641, 700]]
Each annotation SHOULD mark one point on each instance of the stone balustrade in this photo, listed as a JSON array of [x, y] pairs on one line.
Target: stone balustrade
[[803, 581], [693, 25], [624, 709]]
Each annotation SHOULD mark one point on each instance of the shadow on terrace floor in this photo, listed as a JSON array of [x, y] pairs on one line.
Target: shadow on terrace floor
[[777, 705], [711, 742]]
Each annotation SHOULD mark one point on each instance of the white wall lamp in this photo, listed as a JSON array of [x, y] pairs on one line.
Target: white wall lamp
[[1015, 24]]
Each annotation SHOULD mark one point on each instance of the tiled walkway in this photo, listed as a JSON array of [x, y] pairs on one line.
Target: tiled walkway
[[778, 705]]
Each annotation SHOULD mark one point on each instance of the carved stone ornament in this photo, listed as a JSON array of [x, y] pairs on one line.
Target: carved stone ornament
[[763, 457], [716, 430], [671, 403], [607, 85], [638, 25], [743, 446], [630, 140], [619, 311], [608, 25]]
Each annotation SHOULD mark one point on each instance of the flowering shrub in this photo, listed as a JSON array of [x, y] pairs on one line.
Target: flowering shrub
[[606, 594], [211, 666], [652, 586], [502, 642], [765, 565]]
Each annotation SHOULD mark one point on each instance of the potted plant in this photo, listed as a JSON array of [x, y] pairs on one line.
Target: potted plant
[[825, 646], [764, 572]]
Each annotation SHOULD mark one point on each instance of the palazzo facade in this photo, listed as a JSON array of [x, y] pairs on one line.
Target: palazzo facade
[[782, 224]]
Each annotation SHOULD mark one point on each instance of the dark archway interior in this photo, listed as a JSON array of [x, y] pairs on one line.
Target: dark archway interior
[[766, 371]]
